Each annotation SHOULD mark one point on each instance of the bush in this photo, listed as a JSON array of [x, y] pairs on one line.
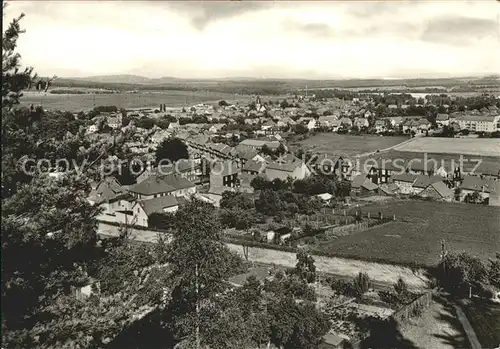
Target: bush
[[361, 284]]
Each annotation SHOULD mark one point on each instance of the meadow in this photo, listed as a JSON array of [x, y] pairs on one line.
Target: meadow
[[78, 102], [465, 146], [348, 145], [415, 237]]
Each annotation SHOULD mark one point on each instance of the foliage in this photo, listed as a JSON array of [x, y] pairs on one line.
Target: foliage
[[300, 129], [236, 200], [171, 149], [236, 218], [269, 203], [459, 271], [305, 268], [361, 284]]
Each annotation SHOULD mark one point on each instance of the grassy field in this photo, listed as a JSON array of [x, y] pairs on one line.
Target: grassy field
[[484, 317], [465, 146], [349, 145], [77, 102], [416, 234]]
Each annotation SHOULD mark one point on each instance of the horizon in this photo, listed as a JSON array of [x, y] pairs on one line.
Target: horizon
[[260, 40]]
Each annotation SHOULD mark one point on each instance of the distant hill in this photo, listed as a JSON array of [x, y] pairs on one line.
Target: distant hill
[[260, 86]]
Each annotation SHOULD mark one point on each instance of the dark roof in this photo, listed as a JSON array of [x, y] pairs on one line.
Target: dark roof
[[161, 184], [254, 166], [182, 165], [157, 205], [423, 181], [477, 183], [358, 181], [404, 177], [369, 185], [108, 190], [442, 189], [286, 167]]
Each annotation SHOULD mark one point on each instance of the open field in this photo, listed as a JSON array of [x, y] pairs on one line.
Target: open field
[[348, 145], [78, 102], [465, 146], [416, 234], [484, 317]]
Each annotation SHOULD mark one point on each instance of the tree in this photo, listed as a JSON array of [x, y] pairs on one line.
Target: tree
[[305, 268], [300, 129], [269, 203], [281, 150], [361, 284], [172, 149], [199, 262], [223, 103], [265, 150]]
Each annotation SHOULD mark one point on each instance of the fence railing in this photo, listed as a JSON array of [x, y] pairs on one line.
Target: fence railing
[[414, 308]]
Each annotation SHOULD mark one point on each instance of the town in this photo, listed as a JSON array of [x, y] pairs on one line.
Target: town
[[296, 216]]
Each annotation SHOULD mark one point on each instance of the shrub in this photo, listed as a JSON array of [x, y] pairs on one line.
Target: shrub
[[361, 284]]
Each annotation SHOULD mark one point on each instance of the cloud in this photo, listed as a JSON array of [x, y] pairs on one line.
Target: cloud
[[459, 30], [259, 39], [202, 14]]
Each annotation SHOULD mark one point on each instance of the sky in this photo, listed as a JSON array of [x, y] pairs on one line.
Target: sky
[[261, 39]]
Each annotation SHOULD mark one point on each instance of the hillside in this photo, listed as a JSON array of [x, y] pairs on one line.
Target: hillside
[[267, 86]]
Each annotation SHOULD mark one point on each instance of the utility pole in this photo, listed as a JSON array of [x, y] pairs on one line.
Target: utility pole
[[197, 310], [443, 257]]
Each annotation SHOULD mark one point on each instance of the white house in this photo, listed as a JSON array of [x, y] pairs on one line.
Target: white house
[[142, 209], [287, 167], [92, 129]]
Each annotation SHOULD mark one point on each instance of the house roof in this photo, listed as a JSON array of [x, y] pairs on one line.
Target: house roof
[[489, 168], [108, 190], [325, 196], [389, 189], [369, 185], [181, 165], [404, 177], [358, 181], [423, 181], [442, 117], [254, 166], [477, 183], [478, 117], [157, 205], [332, 339], [225, 168], [442, 189], [161, 184]]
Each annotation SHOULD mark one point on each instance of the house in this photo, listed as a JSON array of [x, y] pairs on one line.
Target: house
[[388, 189], [383, 170], [423, 125], [92, 129], [346, 122], [254, 167], [143, 209], [287, 166], [214, 128], [162, 185], [489, 170], [380, 126], [357, 182], [404, 182], [361, 122], [224, 174], [311, 125], [332, 341], [438, 191], [173, 126], [326, 197], [429, 167], [114, 123], [368, 188], [410, 126], [474, 184], [328, 164], [422, 182], [495, 194], [329, 122], [214, 194], [285, 122], [111, 196], [279, 235], [479, 123], [257, 144], [442, 119], [395, 121], [188, 169], [245, 181]]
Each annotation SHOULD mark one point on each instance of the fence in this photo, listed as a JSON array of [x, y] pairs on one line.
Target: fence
[[414, 308]]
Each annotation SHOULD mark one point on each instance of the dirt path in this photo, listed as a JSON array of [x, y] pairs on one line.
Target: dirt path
[[384, 273], [359, 156], [438, 327]]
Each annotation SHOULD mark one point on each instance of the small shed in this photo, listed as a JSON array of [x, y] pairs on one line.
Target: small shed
[[332, 341]]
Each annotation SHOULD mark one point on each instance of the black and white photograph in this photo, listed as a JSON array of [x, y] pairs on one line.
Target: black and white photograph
[[242, 174]]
